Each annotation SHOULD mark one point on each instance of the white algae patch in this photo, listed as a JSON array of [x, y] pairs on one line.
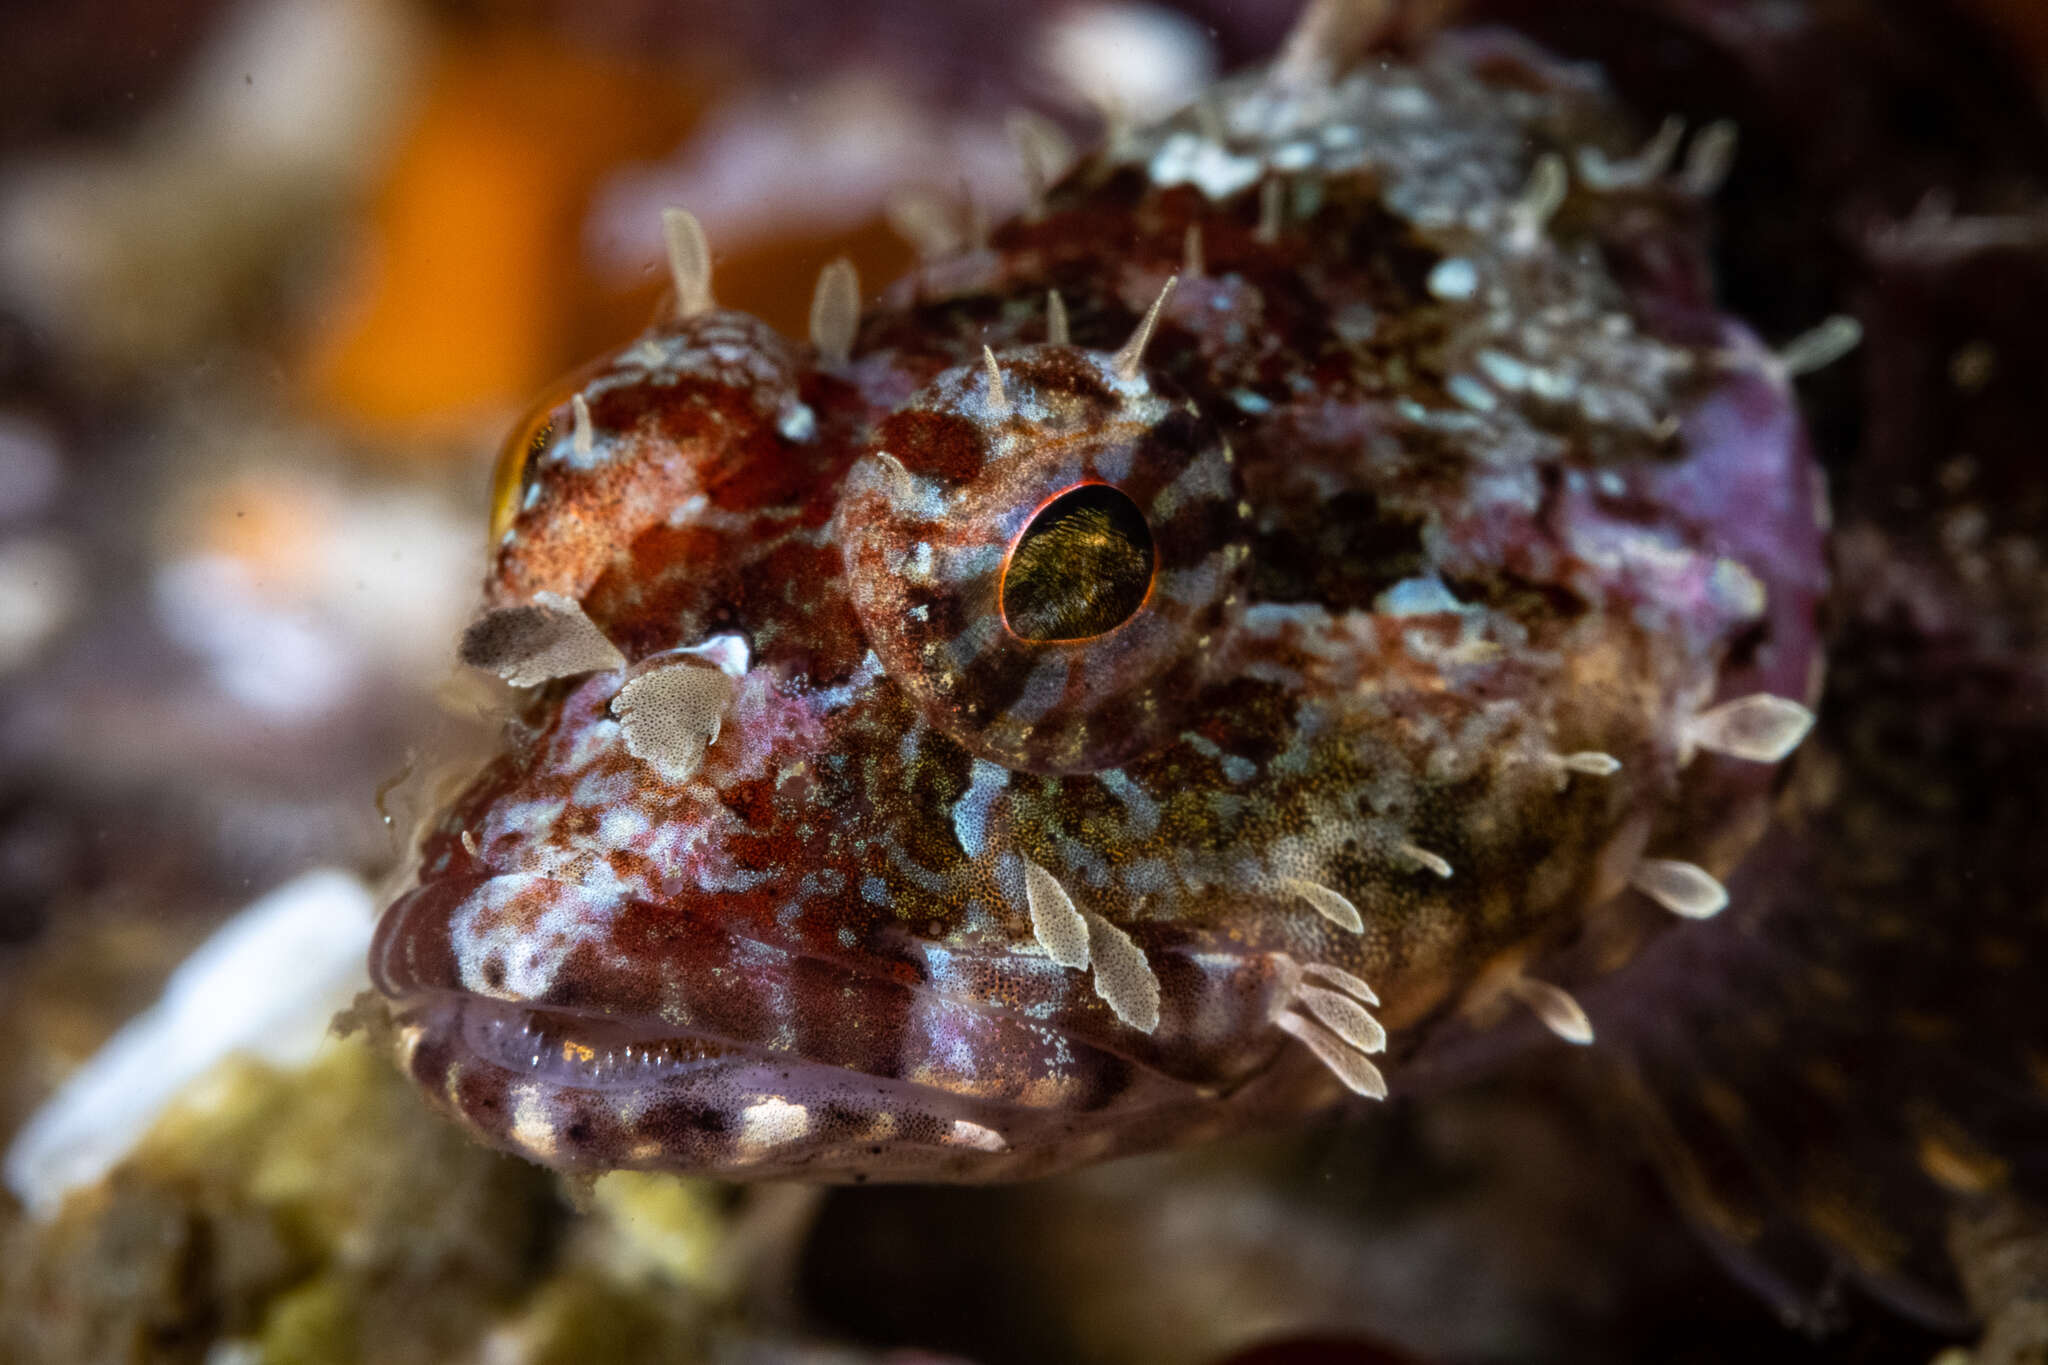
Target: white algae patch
[[266, 983]]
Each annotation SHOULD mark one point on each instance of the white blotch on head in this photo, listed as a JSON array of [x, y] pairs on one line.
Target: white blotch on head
[[797, 423], [1426, 596], [536, 642], [728, 653], [1188, 158], [1055, 923], [966, 1133], [985, 782], [1454, 279], [533, 1127], [772, 1122], [1682, 888]]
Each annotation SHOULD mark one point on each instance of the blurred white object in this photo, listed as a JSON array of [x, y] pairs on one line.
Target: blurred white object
[[1141, 60], [266, 984], [39, 583], [328, 587], [30, 469], [819, 160], [130, 255]]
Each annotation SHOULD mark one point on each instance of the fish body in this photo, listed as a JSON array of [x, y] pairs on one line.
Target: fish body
[[1323, 571]]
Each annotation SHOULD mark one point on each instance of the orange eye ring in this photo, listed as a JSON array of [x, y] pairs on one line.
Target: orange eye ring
[[508, 475], [538, 428]]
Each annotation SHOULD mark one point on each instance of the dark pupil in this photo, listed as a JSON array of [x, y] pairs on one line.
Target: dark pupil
[[1082, 567]]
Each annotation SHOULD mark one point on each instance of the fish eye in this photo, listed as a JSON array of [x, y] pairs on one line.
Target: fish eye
[[1083, 567], [508, 476], [1042, 548]]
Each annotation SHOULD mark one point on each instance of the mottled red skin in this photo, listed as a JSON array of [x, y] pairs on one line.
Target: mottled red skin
[[824, 933]]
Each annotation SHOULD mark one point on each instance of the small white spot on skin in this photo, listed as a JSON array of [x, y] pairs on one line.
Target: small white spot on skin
[[797, 423], [1188, 158], [1760, 728], [1332, 904], [1738, 590], [970, 1134], [728, 653], [533, 1128], [773, 1122], [533, 643], [1682, 888], [670, 715], [1454, 279], [1417, 597], [1471, 393], [1123, 978], [1343, 1016], [1345, 1062], [689, 261], [1422, 857], [1055, 923], [1555, 1007], [835, 312]]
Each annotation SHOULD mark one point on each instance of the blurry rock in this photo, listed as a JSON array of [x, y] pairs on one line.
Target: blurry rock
[[132, 257], [316, 1215]]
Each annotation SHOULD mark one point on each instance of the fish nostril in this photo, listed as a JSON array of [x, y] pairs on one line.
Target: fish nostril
[[1082, 567]]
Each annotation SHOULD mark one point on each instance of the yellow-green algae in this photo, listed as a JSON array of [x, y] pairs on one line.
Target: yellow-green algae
[[324, 1217]]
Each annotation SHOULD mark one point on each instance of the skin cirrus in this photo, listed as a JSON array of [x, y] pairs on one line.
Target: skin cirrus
[[1362, 583]]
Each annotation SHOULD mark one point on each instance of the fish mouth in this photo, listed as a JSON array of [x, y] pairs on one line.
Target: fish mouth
[[784, 1065], [583, 1092]]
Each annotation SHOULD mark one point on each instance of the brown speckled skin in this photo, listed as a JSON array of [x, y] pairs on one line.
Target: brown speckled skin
[[1416, 543]]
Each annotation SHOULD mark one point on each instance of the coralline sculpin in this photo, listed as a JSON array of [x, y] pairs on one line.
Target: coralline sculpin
[[1322, 580]]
